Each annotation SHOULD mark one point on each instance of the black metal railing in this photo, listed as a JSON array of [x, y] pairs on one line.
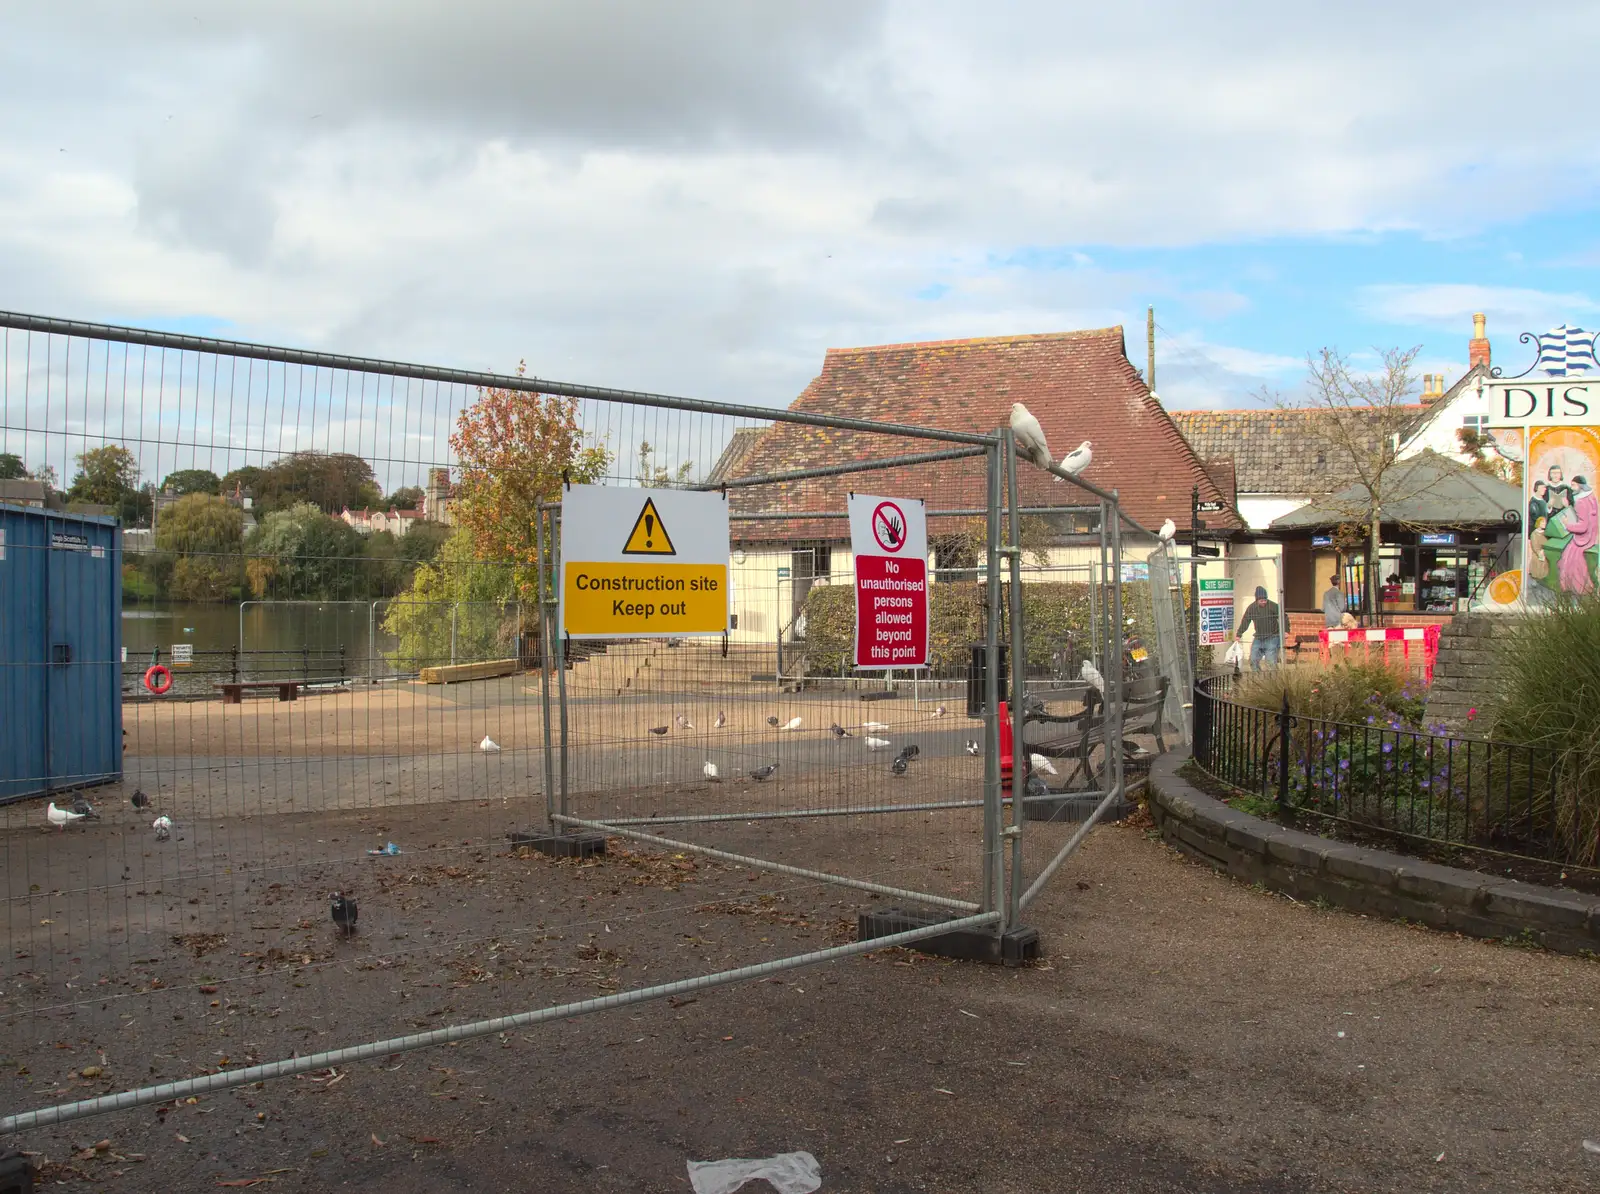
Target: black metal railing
[[1397, 780], [196, 673]]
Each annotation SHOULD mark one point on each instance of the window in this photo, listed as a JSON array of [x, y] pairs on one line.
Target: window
[[1475, 422]]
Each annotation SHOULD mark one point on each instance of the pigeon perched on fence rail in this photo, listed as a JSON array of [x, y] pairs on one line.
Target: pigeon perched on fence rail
[[1075, 461], [1029, 435]]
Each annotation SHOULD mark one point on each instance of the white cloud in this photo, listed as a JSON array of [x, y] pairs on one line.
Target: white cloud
[[702, 197], [1510, 311]]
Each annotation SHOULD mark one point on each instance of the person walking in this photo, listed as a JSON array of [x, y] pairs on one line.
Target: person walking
[[1334, 604], [1267, 619]]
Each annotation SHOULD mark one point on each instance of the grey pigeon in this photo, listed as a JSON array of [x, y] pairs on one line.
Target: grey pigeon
[[899, 765], [139, 799], [772, 721], [909, 751], [658, 730], [1037, 786], [722, 720], [838, 731], [83, 808], [765, 773], [344, 913]]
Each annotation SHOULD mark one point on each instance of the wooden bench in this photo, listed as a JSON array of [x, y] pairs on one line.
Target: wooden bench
[[233, 690]]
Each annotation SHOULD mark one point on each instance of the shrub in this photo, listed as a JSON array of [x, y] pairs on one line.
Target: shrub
[[1549, 688]]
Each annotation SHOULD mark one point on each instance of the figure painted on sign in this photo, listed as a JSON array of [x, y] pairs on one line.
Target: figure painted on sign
[[1539, 503], [1582, 525], [1558, 492]]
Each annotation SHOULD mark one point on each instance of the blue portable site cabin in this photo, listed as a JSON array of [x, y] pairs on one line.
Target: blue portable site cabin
[[60, 651]]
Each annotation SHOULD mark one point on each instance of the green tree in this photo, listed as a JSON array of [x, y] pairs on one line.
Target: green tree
[[457, 598], [652, 472], [11, 467], [331, 481], [407, 497], [109, 476], [201, 534], [300, 554], [192, 480], [423, 541], [247, 477]]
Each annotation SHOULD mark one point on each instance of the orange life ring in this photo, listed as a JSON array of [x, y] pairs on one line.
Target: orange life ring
[[158, 679]]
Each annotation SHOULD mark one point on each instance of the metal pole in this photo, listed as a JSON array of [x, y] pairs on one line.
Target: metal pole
[[561, 648], [80, 329], [991, 698], [373, 1050], [454, 609], [763, 864], [1194, 580], [1019, 698], [546, 617], [1116, 680]]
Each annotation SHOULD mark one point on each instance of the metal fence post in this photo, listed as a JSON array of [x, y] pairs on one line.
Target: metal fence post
[[454, 609], [1019, 698], [1283, 752], [1115, 679], [991, 901], [546, 637]]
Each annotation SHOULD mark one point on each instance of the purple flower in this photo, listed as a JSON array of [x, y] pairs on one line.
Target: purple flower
[[1344, 764], [1387, 747]]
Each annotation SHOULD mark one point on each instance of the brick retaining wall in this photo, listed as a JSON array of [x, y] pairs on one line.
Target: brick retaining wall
[[1359, 879]]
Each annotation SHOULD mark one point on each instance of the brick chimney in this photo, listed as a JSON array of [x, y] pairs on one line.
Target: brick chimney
[[1478, 347], [1432, 388]]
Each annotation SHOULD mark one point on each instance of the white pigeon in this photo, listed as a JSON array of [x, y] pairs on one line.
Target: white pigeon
[[1075, 461], [792, 724], [1168, 531], [1092, 677], [683, 722], [62, 817], [1029, 435], [163, 828], [489, 745], [940, 711], [874, 725], [711, 772], [972, 746], [722, 720], [876, 743], [1040, 763]]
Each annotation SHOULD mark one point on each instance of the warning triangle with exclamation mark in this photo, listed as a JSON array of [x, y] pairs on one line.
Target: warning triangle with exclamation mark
[[648, 537]]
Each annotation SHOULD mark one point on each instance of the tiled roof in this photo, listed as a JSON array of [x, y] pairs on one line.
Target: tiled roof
[[1080, 385], [739, 445], [1273, 451], [1427, 490]]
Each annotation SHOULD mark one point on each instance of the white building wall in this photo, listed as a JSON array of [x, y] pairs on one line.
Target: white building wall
[[1259, 511], [1440, 432]]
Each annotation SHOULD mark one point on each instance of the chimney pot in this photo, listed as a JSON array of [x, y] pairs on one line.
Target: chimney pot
[[1478, 348]]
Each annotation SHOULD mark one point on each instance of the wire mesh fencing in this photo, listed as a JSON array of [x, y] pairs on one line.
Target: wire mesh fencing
[[330, 692]]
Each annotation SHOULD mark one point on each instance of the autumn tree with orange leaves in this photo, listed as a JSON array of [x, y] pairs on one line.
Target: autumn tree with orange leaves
[[513, 448]]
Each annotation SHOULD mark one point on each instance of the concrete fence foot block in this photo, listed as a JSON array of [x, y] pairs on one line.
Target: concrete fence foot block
[[557, 845], [1013, 948]]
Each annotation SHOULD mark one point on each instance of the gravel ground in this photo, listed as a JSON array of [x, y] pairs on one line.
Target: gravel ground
[[1183, 1033]]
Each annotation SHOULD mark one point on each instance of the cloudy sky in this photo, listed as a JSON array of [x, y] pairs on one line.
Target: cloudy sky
[[701, 197]]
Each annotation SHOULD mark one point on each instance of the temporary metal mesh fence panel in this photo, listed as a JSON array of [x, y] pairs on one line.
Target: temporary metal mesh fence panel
[[335, 669]]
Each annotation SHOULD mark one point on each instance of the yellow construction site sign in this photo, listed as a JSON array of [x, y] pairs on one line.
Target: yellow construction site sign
[[680, 585], [649, 537]]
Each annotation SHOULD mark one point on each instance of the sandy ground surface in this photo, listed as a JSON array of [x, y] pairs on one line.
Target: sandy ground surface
[[1183, 1033]]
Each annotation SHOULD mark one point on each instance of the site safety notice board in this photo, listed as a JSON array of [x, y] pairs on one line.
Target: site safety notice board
[[889, 538], [643, 563]]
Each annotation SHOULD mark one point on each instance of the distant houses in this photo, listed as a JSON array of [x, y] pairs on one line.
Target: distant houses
[[370, 522]]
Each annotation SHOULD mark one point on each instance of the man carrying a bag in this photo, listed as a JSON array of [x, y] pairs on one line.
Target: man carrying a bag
[[1267, 621]]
